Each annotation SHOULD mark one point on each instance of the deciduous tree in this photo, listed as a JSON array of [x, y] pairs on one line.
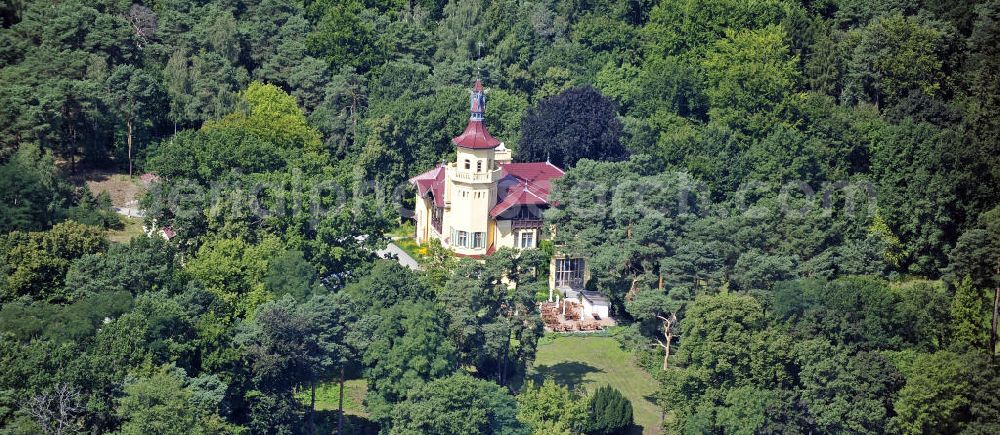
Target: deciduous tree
[[578, 123], [457, 404]]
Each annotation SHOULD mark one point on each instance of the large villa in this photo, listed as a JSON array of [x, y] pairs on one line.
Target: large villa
[[483, 201]]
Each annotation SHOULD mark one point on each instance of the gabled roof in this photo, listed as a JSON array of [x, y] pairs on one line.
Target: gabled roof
[[475, 136], [525, 184], [537, 173], [521, 184], [520, 194], [431, 182]]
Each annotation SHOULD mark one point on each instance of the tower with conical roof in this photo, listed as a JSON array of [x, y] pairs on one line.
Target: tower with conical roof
[[482, 201], [473, 187], [475, 136]]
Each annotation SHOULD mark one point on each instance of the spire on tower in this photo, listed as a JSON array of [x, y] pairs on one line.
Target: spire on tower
[[477, 101], [479, 57], [475, 134]]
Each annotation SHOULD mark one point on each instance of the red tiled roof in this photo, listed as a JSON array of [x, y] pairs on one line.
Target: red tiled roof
[[525, 184], [431, 182], [475, 136], [520, 194], [538, 173], [522, 184]]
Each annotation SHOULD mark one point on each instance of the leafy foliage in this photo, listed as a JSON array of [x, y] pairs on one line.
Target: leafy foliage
[[578, 123], [495, 326], [608, 412], [169, 401], [457, 404], [409, 348], [810, 189], [551, 409], [35, 263]]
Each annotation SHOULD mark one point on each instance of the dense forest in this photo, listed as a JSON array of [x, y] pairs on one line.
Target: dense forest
[[794, 208]]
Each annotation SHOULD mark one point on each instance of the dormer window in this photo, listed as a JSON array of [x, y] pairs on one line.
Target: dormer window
[[467, 164], [479, 166]]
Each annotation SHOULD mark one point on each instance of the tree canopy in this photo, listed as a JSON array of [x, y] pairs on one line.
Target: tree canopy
[[799, 200], [578, 123]]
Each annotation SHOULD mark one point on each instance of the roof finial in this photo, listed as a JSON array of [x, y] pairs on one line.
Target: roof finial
[[479, 57], [547, 160]]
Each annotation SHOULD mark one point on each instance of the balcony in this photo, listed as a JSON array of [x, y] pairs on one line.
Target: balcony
[[436, 216], [475, 177], [522, 224]]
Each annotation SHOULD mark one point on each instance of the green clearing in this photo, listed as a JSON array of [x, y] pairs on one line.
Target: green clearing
[[328, 395], [589, 362], [133, 228], [405, 230]]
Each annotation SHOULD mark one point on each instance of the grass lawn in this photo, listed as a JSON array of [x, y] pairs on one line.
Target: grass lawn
[[402, 236], [408, 245], [403, 231], [133, 228], [328, 394], [590, 362]]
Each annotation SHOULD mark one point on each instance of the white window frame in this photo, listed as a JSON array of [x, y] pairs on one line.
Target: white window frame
[[478, 240], [530, 239], [463, 239]]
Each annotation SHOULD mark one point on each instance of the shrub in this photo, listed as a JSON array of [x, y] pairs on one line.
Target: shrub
[[609, 412]]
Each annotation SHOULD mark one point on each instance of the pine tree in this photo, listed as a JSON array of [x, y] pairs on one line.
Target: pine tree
[[970, 316]]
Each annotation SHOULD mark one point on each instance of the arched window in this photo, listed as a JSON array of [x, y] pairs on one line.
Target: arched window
[[479, 166], [467, 164]]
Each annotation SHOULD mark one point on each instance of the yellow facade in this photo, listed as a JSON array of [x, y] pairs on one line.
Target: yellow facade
[[454, 201], [470, 192]]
